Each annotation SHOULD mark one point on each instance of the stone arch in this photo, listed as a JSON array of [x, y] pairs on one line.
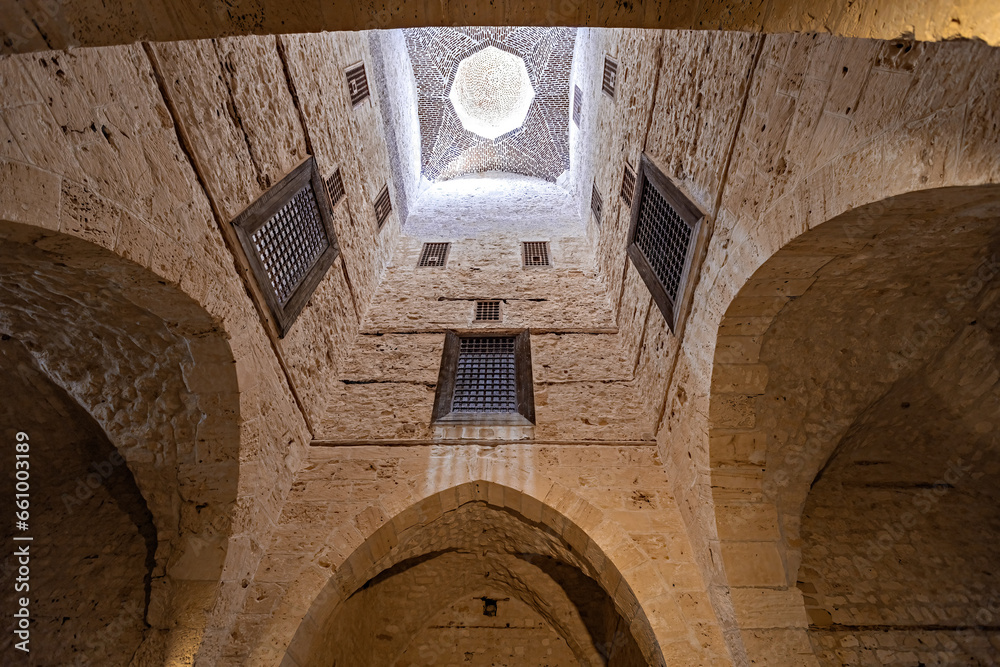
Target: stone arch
[[836, 320], [155, 371], [358, 555]]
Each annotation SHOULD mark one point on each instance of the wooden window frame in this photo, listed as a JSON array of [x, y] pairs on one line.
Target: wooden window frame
[[523, 381], [628, 173], [259, 212], [604, 70], [347, 78], [577, 109], [596, 198], [533, 267], [649, 175], [424, 248], [380, 222]]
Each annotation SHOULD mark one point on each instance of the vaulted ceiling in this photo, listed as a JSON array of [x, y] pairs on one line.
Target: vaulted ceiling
[[539, 147]]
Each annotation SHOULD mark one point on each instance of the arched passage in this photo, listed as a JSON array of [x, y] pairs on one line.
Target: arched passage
[[155, 374], [505, 541], [819, 358]]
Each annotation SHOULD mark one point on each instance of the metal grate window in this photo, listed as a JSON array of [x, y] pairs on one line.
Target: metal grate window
[[596, 203], [487, 311], [663, 237], [290, 241], [577, 104], [535, 253], [383, 206], [485, 378], [628, 185], [335, 186], [664, 233], [610, 77], [357, 83], [434, 254]]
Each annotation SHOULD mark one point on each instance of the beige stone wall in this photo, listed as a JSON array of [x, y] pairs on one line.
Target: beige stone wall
[[93, 169], [251, 110], [461, 635], [90, 529], [121, 168], [46, 25], [352, 516], [827, 124]]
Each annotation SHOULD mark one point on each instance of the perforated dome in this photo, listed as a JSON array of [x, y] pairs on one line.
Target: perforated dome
[[492, 92]]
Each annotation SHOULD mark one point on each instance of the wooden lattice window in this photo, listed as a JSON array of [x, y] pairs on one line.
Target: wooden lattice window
[[485, 379], [535, 253], [488, 310], [610, 78], [288, 239], [335, 186], [628, 184], [357, 83], [664, 238], [577, 104], [434, 255], [596, 202], [383, 206]]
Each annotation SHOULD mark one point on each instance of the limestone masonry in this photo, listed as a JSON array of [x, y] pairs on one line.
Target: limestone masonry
[[804, 471]]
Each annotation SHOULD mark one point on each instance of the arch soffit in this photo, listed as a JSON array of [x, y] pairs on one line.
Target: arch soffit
[[737, 451], [201, 454], [356, 557]]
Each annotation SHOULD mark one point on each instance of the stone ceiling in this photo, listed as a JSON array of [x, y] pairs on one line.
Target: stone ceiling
[[538, 147]]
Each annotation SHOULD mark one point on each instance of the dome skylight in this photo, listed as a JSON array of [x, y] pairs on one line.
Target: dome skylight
[[492, 92]]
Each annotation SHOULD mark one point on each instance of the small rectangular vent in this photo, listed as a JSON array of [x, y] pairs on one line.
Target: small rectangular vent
[[485, 378], [357, 83], [335, 186], [596, 203], [610, 78], [434, 255], [628, 185], [383, 206], [487, 311], [577, 104], [535, 253]]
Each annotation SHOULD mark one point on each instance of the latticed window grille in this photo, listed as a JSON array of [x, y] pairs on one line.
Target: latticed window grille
[[628, 185], [662, 239], [357, 83], [596, 203], [610, 78], [335, 186], [383, 206], [577, 104], [487, 311], [535, 253], [485, 380], [288, 239], [434, 254]]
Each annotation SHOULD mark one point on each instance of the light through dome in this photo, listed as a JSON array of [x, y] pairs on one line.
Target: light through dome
[[491, 92]]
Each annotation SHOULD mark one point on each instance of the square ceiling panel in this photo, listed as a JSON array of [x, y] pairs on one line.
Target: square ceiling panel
[[492, 99]]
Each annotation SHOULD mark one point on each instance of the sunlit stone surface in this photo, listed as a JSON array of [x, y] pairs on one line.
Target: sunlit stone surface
[[491, 93]]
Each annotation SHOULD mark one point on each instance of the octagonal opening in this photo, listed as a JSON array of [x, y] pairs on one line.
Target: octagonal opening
[[491, 92]]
